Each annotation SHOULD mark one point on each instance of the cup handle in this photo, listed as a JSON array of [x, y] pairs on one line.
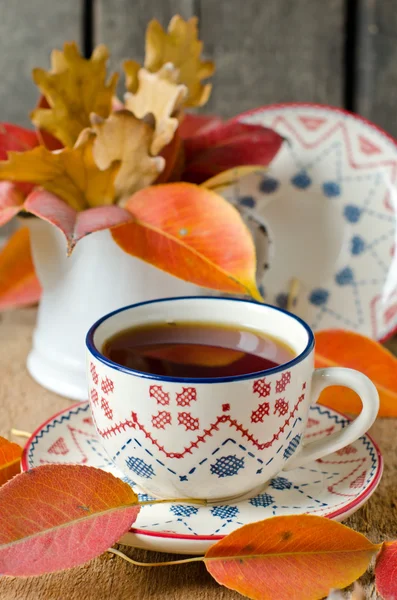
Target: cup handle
[[323, 378]]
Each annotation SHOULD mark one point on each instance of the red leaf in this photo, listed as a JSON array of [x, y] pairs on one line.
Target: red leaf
[[11, 201], [17, 139], [74, 225], [10, 456], [191, 124], [55, 517], [19, 285], [216, 148], [191, 233], [386, 571], [298, 556]]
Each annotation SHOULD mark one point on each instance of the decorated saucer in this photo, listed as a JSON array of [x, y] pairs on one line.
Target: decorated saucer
[[333, 487], [328, 203]]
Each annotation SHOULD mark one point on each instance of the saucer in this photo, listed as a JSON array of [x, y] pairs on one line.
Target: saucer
[[334, 487], [328, 204]]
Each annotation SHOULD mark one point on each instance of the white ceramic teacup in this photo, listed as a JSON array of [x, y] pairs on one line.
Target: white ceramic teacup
[[216, 438]]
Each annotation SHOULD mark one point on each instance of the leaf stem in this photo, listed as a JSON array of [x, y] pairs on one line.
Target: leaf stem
[[156, 564], [175, 500], [20, 433]]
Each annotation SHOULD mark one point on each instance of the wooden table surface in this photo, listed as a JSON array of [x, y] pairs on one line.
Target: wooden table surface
[[24, 405]]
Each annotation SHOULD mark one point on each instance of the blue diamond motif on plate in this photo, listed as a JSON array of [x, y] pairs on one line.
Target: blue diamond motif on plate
[[301, 180], [268, 185], [183, 510], [262, 500], [225, 512], [357, 245], [139, 467], [248, 201], [280, 483], [292, 446], [352, 213], [227, 466], [282, 300], [319, 296], [331, 189], [345, 276]]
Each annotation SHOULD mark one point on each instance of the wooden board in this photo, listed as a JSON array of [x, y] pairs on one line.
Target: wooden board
[[29, 30], [269, 52], [376, 59], [264, 51]]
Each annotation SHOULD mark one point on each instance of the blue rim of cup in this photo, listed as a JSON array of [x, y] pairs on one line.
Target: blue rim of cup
[[226, 379]]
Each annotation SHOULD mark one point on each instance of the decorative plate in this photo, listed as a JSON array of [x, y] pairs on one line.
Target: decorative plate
[[334, 487], [328, 204]]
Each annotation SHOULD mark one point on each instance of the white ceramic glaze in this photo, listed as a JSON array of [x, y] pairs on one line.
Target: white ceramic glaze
[[214, 438], [333, 487], [329, 202], [99, 277]]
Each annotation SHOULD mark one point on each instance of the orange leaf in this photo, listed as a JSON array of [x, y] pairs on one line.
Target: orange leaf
[[58, 516], [10, 456], [19, 285], [192, 233], [386, 571], [336, 347], [278, 557]]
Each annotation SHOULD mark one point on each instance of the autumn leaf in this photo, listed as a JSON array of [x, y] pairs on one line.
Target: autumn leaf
[[17, 139], [74, 88], [181, 47], [58, 516], [159, 95], [174, 160], [191, 124], [231, 176], [123, 139], [73, 224], [11, 201], [220, 147], [272, 559], [131, 69], [10, 457], [193, 234], [349, 349], [386, 571], [70, 173], [19, 285]]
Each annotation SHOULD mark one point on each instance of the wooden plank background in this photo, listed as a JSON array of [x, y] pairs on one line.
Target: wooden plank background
[[280, 51]]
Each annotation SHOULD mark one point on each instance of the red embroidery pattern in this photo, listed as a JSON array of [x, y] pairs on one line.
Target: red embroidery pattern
[[282, 383], [94, 374], [162, 419], [106, 408], [107, 385], [94, 396], [133, 423], [281, 407], [262, 388], [312, 423], [260, 413], [58, 447], [189, 422], [88, 421], [357, 483], [347, 450], [187, 396], [161, 397], [225, 407]]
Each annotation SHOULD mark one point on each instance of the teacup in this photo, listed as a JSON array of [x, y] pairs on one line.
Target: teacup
[[222, 438]]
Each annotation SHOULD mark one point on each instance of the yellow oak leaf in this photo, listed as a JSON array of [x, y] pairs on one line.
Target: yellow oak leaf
[[159, 95], [70, 173], [74, 88], [125, 138], [131, 68], [181, 47]]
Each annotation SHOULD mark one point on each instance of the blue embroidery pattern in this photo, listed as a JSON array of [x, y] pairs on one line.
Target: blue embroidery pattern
[[227, 466]]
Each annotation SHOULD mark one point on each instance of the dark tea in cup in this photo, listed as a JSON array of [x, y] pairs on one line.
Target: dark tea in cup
[[196, 350]]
